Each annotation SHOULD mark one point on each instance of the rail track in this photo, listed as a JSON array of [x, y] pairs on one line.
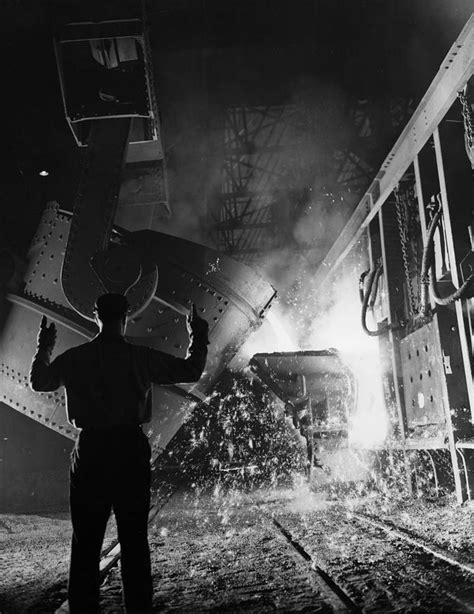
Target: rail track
[[355, 562], [335, 591], [410, 576], [406, 535], [111, 553]]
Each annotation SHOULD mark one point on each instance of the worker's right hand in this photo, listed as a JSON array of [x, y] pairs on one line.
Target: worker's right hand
[[197, 326], [46, 335]]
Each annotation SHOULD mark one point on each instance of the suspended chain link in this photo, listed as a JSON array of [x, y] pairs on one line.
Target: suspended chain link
[[468, 125], [403, 229], [467, 118], [410, 204]]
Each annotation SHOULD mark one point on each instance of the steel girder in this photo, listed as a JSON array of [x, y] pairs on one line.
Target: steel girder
[[455, 71]]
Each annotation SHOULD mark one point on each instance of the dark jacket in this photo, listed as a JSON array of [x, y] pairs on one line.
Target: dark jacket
[[109, 381]]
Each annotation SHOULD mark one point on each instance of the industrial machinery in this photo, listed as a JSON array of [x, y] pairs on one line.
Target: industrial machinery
[[415, 225], [318, 392], [102, 242]]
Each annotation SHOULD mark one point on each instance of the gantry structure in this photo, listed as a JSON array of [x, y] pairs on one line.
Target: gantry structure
[[271, 170]]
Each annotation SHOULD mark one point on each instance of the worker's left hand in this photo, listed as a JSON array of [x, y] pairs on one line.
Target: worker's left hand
[[47, 335]]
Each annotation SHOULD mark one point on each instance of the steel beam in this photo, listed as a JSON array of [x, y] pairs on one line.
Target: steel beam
[[453, 74]]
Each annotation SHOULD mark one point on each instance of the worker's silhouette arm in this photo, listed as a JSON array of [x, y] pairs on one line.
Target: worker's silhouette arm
[[44, 375], [167, 369]]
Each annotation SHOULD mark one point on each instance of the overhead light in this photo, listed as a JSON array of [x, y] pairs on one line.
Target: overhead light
[[44, 173]]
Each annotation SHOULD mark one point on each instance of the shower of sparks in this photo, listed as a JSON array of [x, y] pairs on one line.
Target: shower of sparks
[[340, 328], [275, 335], [214, 267], [239, 438]]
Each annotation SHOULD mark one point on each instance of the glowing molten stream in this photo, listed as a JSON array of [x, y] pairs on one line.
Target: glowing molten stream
[[339, 328], [368, 425]]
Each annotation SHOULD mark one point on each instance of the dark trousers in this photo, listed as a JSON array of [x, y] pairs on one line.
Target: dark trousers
[[110, 470]]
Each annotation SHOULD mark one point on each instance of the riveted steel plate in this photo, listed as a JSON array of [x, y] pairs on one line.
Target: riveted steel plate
[[46, 255], [422, 372], [227, 293]]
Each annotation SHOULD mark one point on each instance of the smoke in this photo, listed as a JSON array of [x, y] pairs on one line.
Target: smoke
[[310, 317], [317, 317], [305, 315], [183, 221], [185, 109], [193, 97]]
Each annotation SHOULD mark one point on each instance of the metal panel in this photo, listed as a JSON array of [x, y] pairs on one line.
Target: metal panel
[[94, 212], [17, 346], [228, 294], [422, 364], [46, 256], [455, 277]]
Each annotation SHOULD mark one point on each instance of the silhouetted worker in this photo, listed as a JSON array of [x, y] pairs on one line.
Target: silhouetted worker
[[108, 386]]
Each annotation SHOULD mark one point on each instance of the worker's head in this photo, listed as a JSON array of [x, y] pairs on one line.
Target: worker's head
[[111, 311]]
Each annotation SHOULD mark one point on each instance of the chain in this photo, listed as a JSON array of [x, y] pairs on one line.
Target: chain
[[402, 219], [467, 117], [409, 202], [468, 128]]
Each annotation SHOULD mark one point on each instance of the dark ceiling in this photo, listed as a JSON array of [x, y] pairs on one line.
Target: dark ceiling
[[248, 49]]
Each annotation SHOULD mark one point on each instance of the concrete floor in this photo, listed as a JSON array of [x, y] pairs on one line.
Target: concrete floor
[[221, 551]]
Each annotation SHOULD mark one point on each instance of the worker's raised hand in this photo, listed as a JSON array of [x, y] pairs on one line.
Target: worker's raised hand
[[197, 326], [46, 335]]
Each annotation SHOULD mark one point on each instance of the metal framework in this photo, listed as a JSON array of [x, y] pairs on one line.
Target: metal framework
[[255, 139], [416, 216], [269, 156], [454, 73]]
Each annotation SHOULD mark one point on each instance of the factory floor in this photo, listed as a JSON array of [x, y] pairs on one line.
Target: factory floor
[[266, 550]]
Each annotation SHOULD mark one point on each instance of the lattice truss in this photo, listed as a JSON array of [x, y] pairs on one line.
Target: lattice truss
[[257, 140], [270, 166], [356, 159]]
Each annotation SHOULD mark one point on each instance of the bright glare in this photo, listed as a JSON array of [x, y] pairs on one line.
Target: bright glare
[[336, 326], [283, 340], [341, 329], [44, 173], [274, 335]]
